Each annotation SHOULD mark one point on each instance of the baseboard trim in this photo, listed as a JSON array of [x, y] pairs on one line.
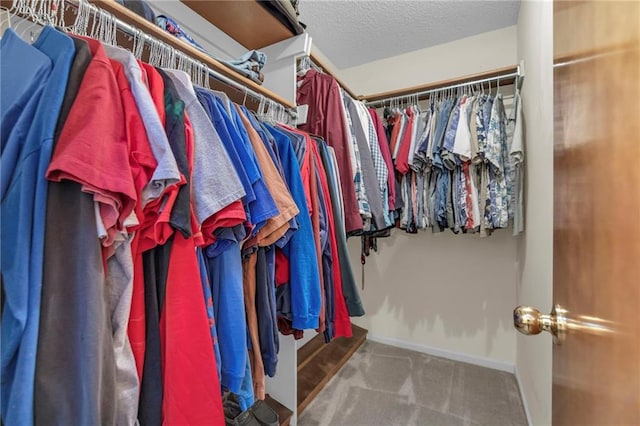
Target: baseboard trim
[[456, 356], [523, 397]]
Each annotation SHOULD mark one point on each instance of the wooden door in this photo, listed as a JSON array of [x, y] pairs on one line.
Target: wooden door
[[596, 274]]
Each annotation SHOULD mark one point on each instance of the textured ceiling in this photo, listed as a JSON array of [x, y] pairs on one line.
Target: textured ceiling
[[354, 32]]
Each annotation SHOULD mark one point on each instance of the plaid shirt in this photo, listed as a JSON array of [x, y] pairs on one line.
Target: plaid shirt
[[380, 167]]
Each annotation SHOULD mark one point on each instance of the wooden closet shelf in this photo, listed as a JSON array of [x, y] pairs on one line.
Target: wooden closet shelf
[[246, 21], [284, 413], [444, 83], [151, 29]]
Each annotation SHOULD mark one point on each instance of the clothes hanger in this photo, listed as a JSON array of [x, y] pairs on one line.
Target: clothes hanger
[[188, 66], [152, 52], [203, 75], [303, 66], [108, 29], [168, 56], [198, 71], [5, 24], [81, 22], [161, 55], [154, 55], [29, 27], [206, 76], [181, 62], [16, 9], [95, 23], [271, 112], [191, 68], [136, 48], [260, 109]]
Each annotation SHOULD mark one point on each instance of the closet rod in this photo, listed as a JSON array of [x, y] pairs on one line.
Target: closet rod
[[112, 8], [505, 76]]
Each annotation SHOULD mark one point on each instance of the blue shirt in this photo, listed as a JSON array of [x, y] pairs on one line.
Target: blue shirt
[[304, 275], [210, 106], [23, 210], [259, 205], [272, 149], [224, 269], [265, 207], [208, 303], [24, 70]]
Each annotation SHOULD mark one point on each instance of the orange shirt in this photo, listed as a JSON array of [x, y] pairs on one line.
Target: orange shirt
[[278, 225]]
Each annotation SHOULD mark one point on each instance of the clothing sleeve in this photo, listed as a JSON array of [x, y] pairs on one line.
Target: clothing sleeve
[[141, 160], [462, 141], [386, 154], [93, 147], [216, 183], [303, 269], [517, 145]]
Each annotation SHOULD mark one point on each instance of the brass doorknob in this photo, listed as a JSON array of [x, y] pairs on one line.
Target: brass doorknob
[[530, 321]]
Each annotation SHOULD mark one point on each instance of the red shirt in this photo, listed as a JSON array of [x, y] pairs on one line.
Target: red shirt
[[402, 160], [191, 390], [322, 94], [228, 217], [141, 158], [156, 87], [154, 230], [386, 154], [342, 323], [93, 148]]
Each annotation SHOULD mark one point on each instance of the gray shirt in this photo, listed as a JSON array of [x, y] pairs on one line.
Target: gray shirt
[[368, 170], [215, 182], [166, 172], [516, 156]]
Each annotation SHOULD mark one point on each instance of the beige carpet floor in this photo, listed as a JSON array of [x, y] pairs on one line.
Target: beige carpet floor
[[384, 385]]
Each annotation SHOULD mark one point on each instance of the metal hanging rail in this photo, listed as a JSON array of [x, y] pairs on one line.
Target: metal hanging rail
[[505, 76], [110, 8]]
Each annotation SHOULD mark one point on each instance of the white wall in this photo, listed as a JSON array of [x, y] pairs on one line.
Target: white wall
[[535, 247], [482, 52], [443, 293]]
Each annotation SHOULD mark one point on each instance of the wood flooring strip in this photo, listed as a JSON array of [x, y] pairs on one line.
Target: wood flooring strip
[[284, 413], [317, 372], [310, 350]]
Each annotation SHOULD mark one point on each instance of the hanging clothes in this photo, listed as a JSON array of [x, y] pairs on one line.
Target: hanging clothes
[[25, 156], [458, 165], [202, 229], [322, 94]]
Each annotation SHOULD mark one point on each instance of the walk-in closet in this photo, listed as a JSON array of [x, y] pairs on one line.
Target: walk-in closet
[[319, 212]]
